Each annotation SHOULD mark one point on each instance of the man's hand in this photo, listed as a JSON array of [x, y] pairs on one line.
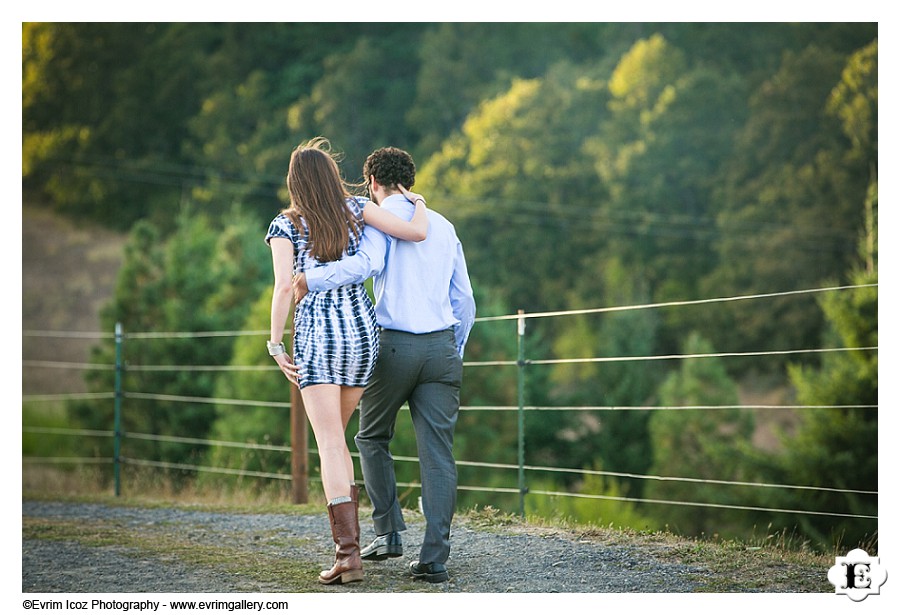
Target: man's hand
[[300, 287]]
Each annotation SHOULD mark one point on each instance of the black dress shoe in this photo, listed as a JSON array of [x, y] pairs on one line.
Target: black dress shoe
[[383, 547], [432, 572]]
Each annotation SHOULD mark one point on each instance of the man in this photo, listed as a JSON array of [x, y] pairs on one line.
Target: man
[[425, 309]]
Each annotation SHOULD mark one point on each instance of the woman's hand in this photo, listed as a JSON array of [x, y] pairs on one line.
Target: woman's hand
[[411, 196], [288, 368], [389, 223]]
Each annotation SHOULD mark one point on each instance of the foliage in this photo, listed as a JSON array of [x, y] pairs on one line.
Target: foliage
[[693, 441], [612, 508], [838, 447], [660, 163], [363, 96], [790, 205], [464, 64], [854, 101], [499, 180], [198, 280], [255, 425], [617, 438], [103, 114]]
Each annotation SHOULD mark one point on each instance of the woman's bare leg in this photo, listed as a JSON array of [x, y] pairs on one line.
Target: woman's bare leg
[[350, 397], [324, 408]]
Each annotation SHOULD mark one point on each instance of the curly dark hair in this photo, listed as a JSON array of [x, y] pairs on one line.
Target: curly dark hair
[[390, 166]]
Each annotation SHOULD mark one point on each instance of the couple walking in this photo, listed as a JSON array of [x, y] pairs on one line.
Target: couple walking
[[347, 352]]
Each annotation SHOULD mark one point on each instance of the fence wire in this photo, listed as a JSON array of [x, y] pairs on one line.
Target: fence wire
[[37, 364]]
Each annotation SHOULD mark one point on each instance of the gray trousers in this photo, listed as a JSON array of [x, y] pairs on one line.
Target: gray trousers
[[426, 371]]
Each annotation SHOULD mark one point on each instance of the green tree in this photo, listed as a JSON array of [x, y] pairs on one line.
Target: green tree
[[837, 448], [854, 101], [516, 187], [659, 153], [756, 49], [790, 207], [465, 64], [362, 98], [104, 108], [616, 439], [240, 137], [258, 379], [187, 283], [702, 444], [120, 120], [236, 134]]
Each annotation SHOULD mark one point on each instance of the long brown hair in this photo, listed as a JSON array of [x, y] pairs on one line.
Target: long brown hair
[[319, 195]]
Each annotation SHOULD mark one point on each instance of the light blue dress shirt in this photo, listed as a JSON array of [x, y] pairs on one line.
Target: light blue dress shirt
[[420, 287]]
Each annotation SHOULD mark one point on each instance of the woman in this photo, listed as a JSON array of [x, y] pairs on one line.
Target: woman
[[335, 335]]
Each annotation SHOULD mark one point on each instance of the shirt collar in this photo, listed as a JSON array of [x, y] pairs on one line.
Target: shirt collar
[[399, 198]]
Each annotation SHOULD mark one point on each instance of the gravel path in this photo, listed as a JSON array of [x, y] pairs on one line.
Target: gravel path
[[511, 559]]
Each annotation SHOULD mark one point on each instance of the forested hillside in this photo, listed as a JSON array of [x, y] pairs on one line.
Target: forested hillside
[[585, 165]]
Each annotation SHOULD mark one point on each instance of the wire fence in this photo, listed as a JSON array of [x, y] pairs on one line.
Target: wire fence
[[119, 397]]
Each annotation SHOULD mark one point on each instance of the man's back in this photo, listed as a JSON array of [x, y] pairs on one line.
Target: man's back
[[424, 286]]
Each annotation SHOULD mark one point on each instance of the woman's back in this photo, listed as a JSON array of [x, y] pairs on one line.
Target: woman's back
[[282, 226], [336, 340]]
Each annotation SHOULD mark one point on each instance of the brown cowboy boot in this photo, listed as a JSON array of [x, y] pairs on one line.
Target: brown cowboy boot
[[347, 563]]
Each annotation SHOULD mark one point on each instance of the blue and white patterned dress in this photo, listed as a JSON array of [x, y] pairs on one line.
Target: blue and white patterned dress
[[336, 337]]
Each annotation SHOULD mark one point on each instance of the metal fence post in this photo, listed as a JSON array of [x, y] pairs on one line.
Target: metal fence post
[[117, 416], [521, 429]]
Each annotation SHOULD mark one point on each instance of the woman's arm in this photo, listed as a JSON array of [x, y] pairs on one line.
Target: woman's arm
[[283, 265], [386, 222]]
